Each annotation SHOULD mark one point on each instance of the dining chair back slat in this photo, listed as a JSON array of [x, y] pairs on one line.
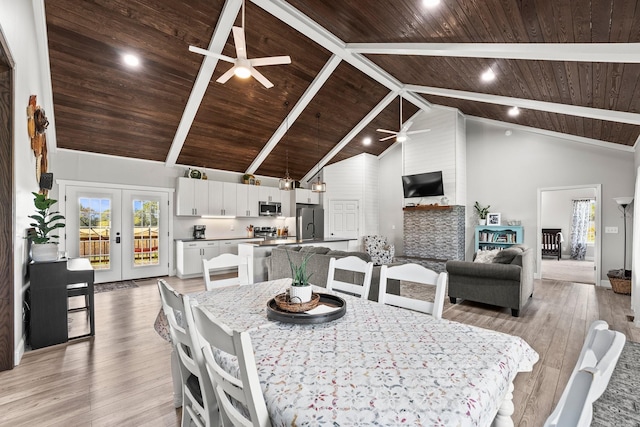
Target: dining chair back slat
[[417, 274], [231, 390], [590, 376], [356, 265], [199, 404], [226, 261]]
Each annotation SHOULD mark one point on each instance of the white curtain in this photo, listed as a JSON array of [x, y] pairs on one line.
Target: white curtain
[[579, 228]]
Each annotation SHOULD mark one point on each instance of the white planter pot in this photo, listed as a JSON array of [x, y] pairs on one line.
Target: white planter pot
[[482, 222], [300, 293], [44, 252]]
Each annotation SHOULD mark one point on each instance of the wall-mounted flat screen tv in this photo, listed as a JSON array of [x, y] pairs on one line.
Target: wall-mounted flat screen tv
[[423, 185]]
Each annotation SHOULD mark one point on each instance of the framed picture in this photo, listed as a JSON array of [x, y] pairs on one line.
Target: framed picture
[[493, 218]]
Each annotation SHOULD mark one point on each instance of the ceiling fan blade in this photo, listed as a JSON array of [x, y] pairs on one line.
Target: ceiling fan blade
[[241, 47], [272, 60], [387, 138], [386, 131], [262, 79], [413, 132], [226, 76], [405, 127], [209, 53]]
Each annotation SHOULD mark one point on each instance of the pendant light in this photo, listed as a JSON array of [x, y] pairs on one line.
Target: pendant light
[[286, 183], [319, 186]]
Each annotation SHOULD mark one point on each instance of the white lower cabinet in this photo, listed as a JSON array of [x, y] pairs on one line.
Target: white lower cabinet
[[189, 254]]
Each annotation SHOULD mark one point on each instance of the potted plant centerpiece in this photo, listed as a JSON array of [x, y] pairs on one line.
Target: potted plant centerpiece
[[44, 246], [300, 290], [482, 213]]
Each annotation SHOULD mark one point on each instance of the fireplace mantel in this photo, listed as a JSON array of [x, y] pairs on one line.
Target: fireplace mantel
[[427, 208]]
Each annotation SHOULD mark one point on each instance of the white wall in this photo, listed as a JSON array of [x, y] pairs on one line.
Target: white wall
[[506, 171], [18, 25], [390, 197]]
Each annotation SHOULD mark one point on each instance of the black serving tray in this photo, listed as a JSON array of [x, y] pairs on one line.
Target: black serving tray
[[276, 313]]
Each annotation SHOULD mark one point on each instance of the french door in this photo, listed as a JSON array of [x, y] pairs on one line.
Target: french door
[[123, 232]]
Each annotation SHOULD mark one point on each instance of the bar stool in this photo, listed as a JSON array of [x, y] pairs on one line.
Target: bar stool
[[80, 277]]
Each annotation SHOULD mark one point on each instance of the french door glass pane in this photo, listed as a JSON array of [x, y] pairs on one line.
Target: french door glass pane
[[95, 226], [145, 231]]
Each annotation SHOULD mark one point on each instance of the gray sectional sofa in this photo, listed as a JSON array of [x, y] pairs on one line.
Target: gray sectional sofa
[[278, 267], [506, 281]]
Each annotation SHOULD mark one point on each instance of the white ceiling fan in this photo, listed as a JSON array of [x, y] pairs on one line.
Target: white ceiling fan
[[403, 134], [243, 67]]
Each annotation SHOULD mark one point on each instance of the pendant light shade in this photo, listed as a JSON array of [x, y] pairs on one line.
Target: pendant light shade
[[318, 186], [286, 183]]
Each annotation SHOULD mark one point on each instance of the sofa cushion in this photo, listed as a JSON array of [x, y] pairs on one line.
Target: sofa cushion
[[341, 254], [289, 248], [321, 250], [506, 256], [486, 256]]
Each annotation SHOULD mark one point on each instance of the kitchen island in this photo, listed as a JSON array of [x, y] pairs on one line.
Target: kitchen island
[[260, 251]]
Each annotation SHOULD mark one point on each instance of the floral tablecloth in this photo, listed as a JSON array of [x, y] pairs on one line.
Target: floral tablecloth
[[377, 365]]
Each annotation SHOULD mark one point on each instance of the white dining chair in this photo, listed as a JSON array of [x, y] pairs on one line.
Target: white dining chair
[[353, 264], [231, 391], [418, 274], [589, 378], [226, 261], [199, 404]]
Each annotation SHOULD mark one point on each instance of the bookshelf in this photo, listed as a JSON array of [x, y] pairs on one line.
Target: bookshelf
[[498, 236]]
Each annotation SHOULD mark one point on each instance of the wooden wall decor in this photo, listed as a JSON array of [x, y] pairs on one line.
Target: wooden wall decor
[[37, 124]]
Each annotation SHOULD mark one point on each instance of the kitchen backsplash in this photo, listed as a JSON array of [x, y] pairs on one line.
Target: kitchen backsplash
[[222, 227]]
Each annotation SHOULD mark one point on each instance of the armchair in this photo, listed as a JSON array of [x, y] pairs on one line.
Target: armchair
[[380, 251]]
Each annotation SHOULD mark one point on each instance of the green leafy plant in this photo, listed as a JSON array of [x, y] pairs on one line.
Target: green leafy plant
[[482, 212], [299, 272], [46, 220]]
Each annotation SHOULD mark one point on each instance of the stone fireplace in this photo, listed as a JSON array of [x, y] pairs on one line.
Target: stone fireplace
[[433, 235]]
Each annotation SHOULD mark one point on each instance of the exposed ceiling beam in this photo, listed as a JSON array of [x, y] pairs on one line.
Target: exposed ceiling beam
[[581, 52], [306, 26], [302, 103], [352, 134], [573, 110], [220, 35]]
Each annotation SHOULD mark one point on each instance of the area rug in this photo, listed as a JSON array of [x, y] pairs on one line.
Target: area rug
[[114, 286], [619, 405]]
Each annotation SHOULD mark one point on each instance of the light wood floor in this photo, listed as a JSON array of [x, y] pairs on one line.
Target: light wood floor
[[122, 377]]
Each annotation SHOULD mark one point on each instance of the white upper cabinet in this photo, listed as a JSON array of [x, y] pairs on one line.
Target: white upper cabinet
[[192, 197], [222, 198], [307, 196], [247, 200], [269, 194]]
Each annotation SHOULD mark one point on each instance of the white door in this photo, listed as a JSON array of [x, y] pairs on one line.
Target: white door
[[123, 233], [344, 216]]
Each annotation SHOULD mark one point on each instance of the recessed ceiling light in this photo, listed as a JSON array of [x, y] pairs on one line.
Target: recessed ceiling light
[[430, 3], [366, 141], [488, 75], [514, 111], [131, 60], [508, 132]]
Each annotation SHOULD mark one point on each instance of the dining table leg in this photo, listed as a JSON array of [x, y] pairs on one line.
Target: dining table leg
[[505, 411], [176, 377]]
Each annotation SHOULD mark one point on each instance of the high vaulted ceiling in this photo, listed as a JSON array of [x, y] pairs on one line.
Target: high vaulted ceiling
[[571, 66]]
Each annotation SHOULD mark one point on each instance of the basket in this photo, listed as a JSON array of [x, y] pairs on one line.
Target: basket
[[296, 307], [620, 285]]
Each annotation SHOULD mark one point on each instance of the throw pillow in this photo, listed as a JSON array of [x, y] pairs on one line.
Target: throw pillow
[[486, 256], [321, 250], [507, 256]]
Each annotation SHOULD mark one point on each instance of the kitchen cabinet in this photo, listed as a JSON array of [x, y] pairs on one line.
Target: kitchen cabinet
[[231, 246], [222, 198], [307, 197], [269, 194], [189, 256], [288, 203], [247, 200], [192, 197]]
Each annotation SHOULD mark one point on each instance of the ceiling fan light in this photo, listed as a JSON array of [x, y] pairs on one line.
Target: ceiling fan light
[[401, 137], [242, 71]]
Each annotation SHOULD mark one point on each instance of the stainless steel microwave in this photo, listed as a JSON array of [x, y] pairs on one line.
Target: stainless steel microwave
[[270, 209]]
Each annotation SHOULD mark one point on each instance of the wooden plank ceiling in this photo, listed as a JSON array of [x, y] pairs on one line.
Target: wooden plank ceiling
[[101, 106]]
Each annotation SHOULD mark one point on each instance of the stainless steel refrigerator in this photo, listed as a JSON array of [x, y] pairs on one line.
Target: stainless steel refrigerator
[[309, 223]]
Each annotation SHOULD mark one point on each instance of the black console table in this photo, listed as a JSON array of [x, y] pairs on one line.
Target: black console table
[[49, 298]]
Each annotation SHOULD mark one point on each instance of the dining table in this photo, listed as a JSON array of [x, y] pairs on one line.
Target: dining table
[[375, 365]]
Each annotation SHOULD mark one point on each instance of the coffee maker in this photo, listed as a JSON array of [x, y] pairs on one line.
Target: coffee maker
[[198, 231]]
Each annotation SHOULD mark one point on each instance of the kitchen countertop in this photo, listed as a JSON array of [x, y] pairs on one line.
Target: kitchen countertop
[[294, 241], [215, 239]]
